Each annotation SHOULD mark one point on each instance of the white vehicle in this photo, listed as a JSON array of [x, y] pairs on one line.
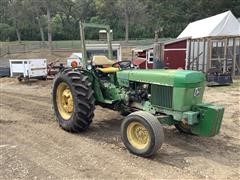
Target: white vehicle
[[96, 49], [28, 68], [77, 57]]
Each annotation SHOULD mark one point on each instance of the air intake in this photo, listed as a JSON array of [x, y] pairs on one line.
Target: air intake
[[161, 95]]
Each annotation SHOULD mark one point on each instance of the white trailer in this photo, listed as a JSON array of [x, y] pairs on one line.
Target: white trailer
[[28, 68]]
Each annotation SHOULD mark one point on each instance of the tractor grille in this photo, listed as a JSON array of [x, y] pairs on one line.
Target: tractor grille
[[161, 95]]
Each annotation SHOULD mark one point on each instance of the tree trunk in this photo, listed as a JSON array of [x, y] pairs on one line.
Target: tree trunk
[[126, 14], [156, 36], [41, 30], [49, 22], [18, 35], [42, 34], [40, 27]]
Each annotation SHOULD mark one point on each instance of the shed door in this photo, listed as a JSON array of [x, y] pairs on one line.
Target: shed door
[[175, 54], [175, 58]]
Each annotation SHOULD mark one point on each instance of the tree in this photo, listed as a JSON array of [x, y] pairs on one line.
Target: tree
[[36, 9], [49, 22], [16, 13], [127, 12], [30, 19]]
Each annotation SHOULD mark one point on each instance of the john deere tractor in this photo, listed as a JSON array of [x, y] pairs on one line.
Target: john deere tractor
[[148, 98]]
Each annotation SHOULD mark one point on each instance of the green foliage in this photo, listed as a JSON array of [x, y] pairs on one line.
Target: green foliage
[[145, 16], [7, 32]]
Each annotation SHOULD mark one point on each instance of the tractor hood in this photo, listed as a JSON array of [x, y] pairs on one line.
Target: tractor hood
[[176, 78]]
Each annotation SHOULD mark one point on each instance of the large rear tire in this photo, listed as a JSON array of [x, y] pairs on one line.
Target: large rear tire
[[73, 100], [142, 133]]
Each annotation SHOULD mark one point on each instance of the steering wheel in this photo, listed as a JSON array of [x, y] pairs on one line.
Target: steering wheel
[[122, 64]]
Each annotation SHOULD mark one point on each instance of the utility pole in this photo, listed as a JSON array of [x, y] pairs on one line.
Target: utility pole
[[156, 36], [158, 54]]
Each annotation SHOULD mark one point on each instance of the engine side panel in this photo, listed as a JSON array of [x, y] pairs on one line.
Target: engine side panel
[[175, 78]]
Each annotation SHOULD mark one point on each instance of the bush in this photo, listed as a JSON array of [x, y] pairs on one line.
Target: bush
[[7, 32]]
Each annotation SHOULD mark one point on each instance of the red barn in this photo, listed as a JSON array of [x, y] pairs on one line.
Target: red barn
[[175, 53], [142, 57]]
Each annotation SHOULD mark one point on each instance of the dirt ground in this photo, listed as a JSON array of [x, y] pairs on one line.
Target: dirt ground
[[33, 146]]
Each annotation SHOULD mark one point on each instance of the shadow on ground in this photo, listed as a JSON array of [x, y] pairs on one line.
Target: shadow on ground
[[217, 148]]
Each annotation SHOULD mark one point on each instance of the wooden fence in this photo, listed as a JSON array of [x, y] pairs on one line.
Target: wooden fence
[[28, 46]]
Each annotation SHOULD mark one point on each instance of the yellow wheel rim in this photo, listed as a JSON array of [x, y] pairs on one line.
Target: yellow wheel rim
[[64, 101], [138, 135], [184, 125]]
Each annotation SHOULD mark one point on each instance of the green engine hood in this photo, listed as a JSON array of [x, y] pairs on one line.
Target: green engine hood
[[176, 78]]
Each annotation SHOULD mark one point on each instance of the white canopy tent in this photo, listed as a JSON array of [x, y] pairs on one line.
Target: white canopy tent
[[224, 24], [213, 42]]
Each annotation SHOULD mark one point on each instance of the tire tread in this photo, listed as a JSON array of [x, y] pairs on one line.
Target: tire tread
[[83, 96]]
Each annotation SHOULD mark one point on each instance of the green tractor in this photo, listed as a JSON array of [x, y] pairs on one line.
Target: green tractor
[[148, 98]]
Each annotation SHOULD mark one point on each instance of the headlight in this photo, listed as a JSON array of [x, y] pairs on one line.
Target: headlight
[[89, 67]]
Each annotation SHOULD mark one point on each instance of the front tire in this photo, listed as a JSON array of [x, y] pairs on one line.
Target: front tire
[[20, 78], [183, 128], [73, 100], [142, 133]]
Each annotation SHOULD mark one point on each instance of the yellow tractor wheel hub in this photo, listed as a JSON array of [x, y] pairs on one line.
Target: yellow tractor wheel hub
[[184, 125], [138, 136], [64, 101]]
